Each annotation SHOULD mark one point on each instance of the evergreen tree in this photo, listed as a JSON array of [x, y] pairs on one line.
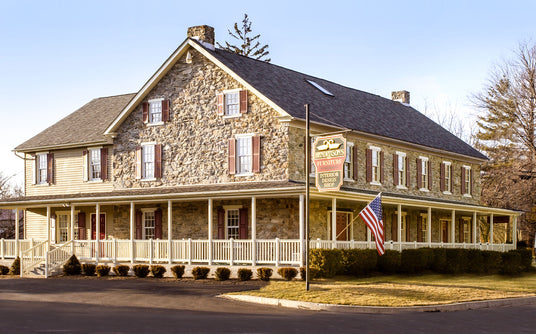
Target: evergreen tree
[[250, 46]]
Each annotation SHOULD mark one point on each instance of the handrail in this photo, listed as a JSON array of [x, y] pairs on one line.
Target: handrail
[[57, 257], [28, 259]]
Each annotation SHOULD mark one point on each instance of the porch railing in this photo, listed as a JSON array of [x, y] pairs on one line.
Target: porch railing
[[33, 256], [58, 256]]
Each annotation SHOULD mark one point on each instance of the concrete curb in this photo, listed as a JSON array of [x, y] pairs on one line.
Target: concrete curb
[[382, 309]]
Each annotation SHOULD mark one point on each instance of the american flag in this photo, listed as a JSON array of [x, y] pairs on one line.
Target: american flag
[[372, 215]]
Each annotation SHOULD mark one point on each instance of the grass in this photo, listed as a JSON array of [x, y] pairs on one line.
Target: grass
[[396, 291]]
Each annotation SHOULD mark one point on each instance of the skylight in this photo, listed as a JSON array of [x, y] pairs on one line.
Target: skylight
[[320, 88]]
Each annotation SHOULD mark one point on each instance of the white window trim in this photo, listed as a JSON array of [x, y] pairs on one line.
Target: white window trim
[[447, 163], [144, 211], [244, 135], [352, 161], [88, 165], [423, 159], [403, 221], [149, 123], [231, 91], [467, 222], [143, 179], [65, 213], [402, 186], [36, 169], [375, 150], [468, 191], [227, 208]]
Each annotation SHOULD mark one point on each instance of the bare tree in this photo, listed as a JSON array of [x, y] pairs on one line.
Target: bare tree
[[447, 116], [250, 46]]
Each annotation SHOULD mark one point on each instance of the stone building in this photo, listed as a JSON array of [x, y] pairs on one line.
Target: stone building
[[205, 163]]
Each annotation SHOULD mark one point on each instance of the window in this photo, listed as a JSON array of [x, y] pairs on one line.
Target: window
[[400, 170], [149, 224], [232, 104], [466, 230], [376, 167], [42, 168], [244, 155], [233, 223], [94, 164], [466, 179], [148, 161], [424, 173], [448, 177], [63, 227], [155, 111], [348, 162]]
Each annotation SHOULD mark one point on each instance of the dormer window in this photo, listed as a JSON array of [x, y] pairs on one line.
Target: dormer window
[[156, 111], [232, 103]]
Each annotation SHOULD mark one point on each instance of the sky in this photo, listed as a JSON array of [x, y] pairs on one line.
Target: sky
[[58, 55]]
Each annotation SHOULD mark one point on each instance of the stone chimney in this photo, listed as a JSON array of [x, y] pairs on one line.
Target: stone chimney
[[202, 33], [401, 96]]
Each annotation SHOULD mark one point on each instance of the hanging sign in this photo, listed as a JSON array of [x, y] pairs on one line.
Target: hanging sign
[[329, 154]]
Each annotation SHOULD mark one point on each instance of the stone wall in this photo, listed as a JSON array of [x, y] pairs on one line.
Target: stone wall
[[296, 170], [195, 140]]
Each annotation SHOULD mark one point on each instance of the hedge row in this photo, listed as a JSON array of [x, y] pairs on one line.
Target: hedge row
[[358, 262]]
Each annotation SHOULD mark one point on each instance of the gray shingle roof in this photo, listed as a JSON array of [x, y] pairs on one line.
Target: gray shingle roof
[[348, 107], [84, 126]]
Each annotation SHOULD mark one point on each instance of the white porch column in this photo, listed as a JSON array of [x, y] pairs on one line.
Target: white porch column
[[491, 230], [453, 227], [302, 230], [399, 226], [254, 229], [48, 224], [16, 232], [97, 231], [210, 231], [132, 230], [72, 221], [514, 231], [429, 227], [474, 228], [334, 220], [169, 229]]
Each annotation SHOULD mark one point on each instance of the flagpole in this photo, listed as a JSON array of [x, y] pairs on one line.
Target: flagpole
[[307, 172]]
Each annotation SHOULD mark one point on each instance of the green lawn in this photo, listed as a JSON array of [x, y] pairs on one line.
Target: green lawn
[[402, 290]]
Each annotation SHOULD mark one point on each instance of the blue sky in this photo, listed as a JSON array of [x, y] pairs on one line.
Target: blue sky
[[58, 55]]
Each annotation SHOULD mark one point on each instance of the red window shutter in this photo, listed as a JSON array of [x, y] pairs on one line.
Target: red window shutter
[[395, 169], [369, 165], [221, 223], [165, 110], [463, 180], [145, 112], [232, 156], [408, 231], [220, 103], [102, 228], [158, 161], [81, 226], [256, 140], [408, 182], [429, 175], [243, 101], [460, 230], [104, 163], [471, 181], [50, 168], [442, 177], [381, 167], [394, 227], [243, 223], [138, 162], [355, 161], [419, 173], [139, 217], [158, 224]]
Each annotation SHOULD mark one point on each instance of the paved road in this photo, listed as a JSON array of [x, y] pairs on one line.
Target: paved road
[[165, 306]]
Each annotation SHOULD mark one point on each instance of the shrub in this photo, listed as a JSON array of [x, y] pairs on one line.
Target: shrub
[[200, 272], [4, 270], [439, 265], [72, 266], [415, 261], [476, 261], [521, 244], [313, 273], [326, 261], [141, 270], [264, 274], [177, 271], [526, 258], [89, 269], [389, 262], [102, 270], [357, 261], [511, 263], [457, 261], [492, 262], [287, 273], [158, 271], [121, 270], [244, 274], [15, 267], [222, 274]]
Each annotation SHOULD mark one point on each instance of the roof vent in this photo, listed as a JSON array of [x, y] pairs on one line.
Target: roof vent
[[320, 88], [401, 96]]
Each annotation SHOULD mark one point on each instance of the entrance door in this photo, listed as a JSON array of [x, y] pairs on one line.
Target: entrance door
[[445, 231], [342, 226], [102, 227]]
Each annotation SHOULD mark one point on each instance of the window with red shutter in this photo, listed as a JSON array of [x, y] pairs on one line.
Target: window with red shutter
[[165, 110], [243, 223], [145, 112], [158, 224], [219, 98], [256, 168], [50, 168], [221, 223], [81, 226], [139, 218], [354, 162], [104, 163], [158, 161], [243, 101], [395, 169], [231, 161]]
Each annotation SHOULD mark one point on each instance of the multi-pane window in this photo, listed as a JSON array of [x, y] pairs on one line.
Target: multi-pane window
[[148, 161], [63, 227], [244, 155], [376, 169], [424, 173], [401, 169], [149, 221], [424, 226], [232, 103], [155, 111], [233, 221], [348, 166], [95, 164], [467, 172], [41, 163], [466, 231], [75, 236], [448, 177]]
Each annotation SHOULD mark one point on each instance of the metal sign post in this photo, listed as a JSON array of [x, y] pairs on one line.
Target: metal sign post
[[307, 172]]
